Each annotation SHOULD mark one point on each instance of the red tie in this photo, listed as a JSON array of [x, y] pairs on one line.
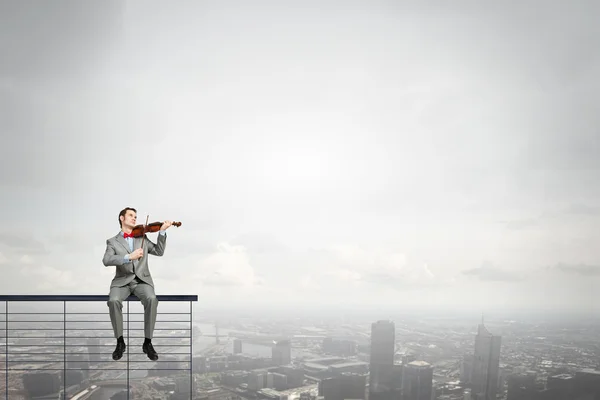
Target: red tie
[[127, 235]]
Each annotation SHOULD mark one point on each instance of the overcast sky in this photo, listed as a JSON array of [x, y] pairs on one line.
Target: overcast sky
[[340, 152]]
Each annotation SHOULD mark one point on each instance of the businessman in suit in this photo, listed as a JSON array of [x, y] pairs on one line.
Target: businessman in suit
[[133, 276]]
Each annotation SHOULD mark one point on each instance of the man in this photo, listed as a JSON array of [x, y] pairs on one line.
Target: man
[[133, 276]]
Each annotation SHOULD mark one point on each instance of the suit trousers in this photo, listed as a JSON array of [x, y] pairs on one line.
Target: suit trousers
[[145, 293]]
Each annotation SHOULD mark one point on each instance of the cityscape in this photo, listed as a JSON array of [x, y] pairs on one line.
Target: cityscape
[[410, 358]]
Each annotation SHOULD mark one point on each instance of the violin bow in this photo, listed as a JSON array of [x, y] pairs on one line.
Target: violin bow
[[144, 233]]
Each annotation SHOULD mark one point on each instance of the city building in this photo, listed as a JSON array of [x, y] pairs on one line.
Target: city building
[[383, 346], [486, 365], [339, 347], [417, 381], [344, 386], [237, 346], [282, 352]]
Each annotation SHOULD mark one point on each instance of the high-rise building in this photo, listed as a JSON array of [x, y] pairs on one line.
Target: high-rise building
[[417, 381], [466, 369], [406, 358], [256, 380], [339, 347], [397, 372], [281, 352], [295, 375], [39, 383], [383, 348], [344, 386], [279, 381], [486, 365], [237, 346], [80, 359], [93, 349], [467, 395]]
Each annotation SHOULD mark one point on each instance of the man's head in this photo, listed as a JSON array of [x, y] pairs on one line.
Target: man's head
[[127, 217]]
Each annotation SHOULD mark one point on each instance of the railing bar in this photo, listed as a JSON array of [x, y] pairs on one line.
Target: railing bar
[[6, 338], [97, 361], [55, 354], [191, 357], [91, 313], [45, 322], [89, 329], [85, 329], [127, 350], [108, 361], [94, 337], [92, 298], [101, 369], [81, 345], [93, 329], [97, 369], [65, 350]]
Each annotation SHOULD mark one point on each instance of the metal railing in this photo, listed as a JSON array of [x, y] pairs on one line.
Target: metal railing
[[54, 343]]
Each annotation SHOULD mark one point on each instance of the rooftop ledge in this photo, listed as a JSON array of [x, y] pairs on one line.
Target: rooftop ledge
[[91, 297]]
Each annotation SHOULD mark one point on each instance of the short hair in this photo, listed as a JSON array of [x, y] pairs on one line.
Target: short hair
[[122, 214]]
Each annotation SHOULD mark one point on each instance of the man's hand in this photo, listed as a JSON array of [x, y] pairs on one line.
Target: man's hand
[[166, 225], [137, 253]]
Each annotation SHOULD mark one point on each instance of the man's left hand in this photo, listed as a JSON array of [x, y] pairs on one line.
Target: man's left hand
[[166, 225]]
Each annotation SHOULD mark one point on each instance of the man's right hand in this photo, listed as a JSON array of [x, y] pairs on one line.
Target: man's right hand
[[136, 254]]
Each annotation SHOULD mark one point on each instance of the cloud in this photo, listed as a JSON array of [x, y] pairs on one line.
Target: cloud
[[578, 269], [26, 260], [366, 269], [559, 214], [489, 272], [20, 243], [583, 209], [41, 278], [188, 242], [257, 242], [407, 277], [228, 266], [520, 224]]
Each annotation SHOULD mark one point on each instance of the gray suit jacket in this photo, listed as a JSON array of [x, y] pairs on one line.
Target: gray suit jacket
[[117, 248]]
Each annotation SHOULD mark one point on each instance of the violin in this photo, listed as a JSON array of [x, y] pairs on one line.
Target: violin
[[141, 230]]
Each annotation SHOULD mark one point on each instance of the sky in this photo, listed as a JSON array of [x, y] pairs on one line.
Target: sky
[[318, 154]]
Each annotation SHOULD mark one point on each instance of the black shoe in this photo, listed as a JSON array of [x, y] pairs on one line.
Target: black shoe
[[150, 352], [118, 353]]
